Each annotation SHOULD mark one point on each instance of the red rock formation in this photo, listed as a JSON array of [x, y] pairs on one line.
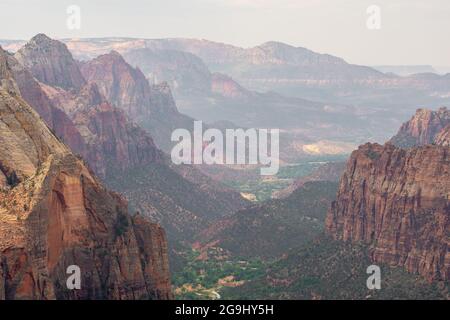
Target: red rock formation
[[98, 132], [54, 213], [114, 143], [422, 128], [50, 62], [152, 107], [127, 87], [31, 91], [118, 148], [443, 137], [397, 200], [120, 83]]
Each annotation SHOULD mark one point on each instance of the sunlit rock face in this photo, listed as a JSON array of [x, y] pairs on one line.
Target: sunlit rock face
[[425, 127], [397, 200], [50, 62]]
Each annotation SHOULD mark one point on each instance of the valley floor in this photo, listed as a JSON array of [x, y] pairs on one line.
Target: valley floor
[[322, 269]]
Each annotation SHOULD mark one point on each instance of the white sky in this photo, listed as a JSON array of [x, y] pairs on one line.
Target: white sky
[[412, 31]]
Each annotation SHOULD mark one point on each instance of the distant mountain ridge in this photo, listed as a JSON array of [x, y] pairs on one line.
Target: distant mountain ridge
[[360, 97], [290, 71], [401, 70], [184, 71], [227, 58]]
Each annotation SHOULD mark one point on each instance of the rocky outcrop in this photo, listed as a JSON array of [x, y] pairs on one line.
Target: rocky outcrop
[[120, 83], [126, 158], [443, 137], [54, 213], [397, 200], [127, 87], [152, 107], [31, 91], [50, 62], [115, 144], [423, 128]]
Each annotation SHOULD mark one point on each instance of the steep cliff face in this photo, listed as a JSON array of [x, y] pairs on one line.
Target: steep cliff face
[[54, 214], [152, 107], [127, 87], [112, 142], [443, 137], [50, 62], [121, 84], [423, 128], [31, 91], [397, 200]]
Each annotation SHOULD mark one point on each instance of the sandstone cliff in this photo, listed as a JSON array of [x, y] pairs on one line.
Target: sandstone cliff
[[50, 62], [54, 213], [120, 83], [443, 137], [152, 107], [397, 201], [31, 91], [423, 128], [112, 143]]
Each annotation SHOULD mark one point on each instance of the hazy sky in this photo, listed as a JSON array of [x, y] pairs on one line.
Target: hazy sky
[[412, 31]]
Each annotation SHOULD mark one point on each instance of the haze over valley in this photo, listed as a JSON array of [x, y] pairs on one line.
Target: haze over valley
[[88, 178]]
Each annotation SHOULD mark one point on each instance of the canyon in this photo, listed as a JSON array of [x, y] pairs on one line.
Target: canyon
[[390, 208], [71, 131], [113, 145]]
